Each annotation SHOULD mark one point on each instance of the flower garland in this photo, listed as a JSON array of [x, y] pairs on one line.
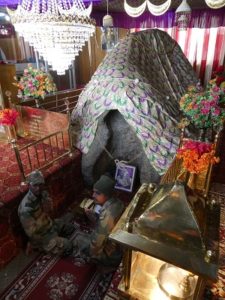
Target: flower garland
[[197, 156], [35, 83], [8, 117], [203, 108]]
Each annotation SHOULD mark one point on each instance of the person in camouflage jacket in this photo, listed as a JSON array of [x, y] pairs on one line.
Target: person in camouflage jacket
[[96, 246], [44, 233]]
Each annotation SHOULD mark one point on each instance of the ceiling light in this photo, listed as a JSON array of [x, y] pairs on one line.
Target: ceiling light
[[108, 37], [56, 29], [183, 15]]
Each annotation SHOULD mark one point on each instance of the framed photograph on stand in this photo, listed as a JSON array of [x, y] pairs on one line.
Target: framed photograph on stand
[[124, 177]]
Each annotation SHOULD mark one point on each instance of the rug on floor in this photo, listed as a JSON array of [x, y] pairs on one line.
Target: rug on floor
[[57, 278]]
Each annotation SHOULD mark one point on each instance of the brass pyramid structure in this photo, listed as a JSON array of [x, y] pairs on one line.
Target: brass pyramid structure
[[169, 224], [170, 218]]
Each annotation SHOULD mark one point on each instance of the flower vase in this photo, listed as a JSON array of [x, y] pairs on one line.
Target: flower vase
[[11, 133]]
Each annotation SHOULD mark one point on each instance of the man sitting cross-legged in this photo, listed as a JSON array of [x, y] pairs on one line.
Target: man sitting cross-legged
[[96, 246], [44, 233]]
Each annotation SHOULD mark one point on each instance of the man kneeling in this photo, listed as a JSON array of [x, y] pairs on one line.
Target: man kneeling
[[44, 233], [96, 247]]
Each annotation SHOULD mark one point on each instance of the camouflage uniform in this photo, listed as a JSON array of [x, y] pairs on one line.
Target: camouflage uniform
[[96, 246], [42, 231]]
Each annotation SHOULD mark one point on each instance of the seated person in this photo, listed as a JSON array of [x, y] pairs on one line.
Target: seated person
[[95, 246], [44, 233]]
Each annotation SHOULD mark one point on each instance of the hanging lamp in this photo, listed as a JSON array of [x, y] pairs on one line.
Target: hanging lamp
[[183, 15], [108, 37], [57, 29]]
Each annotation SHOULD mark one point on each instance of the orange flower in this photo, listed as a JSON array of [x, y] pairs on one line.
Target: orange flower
[[195, 161]]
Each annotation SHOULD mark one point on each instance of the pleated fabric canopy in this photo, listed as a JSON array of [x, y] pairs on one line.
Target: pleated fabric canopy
[[143, 78]]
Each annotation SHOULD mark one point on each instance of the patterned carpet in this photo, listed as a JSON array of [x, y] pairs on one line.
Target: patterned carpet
[[55, 278], [215, 291]]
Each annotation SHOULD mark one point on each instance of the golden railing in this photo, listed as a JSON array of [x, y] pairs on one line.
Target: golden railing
[[56, 102], [42, 153], [40, 157]]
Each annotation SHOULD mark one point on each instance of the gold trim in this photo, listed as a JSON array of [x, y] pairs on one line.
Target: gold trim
[[34, 144]]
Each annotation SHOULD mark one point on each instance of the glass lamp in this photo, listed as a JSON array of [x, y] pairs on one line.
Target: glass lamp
[[109, 33], [183, 15], [167, 236]]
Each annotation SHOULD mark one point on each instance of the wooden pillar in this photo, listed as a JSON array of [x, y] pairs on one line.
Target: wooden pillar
[[7, 73]]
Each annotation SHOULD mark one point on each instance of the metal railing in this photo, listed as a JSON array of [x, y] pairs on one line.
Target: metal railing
[[42, 153], [56, 102]]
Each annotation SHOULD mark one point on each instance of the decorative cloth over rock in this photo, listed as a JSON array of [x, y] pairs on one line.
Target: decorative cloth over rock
[[143, 78]]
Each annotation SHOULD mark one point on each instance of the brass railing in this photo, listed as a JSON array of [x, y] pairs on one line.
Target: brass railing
[[56, 102], [38, 156], [42, 153]]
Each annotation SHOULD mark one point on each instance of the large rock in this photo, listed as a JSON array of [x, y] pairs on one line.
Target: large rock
[[114, 140]]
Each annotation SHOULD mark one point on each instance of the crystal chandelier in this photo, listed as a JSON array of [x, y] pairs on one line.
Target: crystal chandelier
[[57, 29]]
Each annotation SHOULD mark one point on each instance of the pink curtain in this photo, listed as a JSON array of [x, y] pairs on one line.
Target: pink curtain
[[203, 43]]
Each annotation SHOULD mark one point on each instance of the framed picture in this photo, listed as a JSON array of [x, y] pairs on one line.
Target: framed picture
[[124, 177]]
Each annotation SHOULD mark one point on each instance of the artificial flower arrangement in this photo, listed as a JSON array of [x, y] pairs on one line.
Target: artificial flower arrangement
[[8, 117], [204, 108], [197, 156], [35, 83]]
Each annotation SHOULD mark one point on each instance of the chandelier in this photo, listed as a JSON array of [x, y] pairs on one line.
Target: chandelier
[[160, 9], [57, 29]]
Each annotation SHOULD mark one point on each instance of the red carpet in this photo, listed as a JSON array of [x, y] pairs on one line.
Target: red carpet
[[56, 278]]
